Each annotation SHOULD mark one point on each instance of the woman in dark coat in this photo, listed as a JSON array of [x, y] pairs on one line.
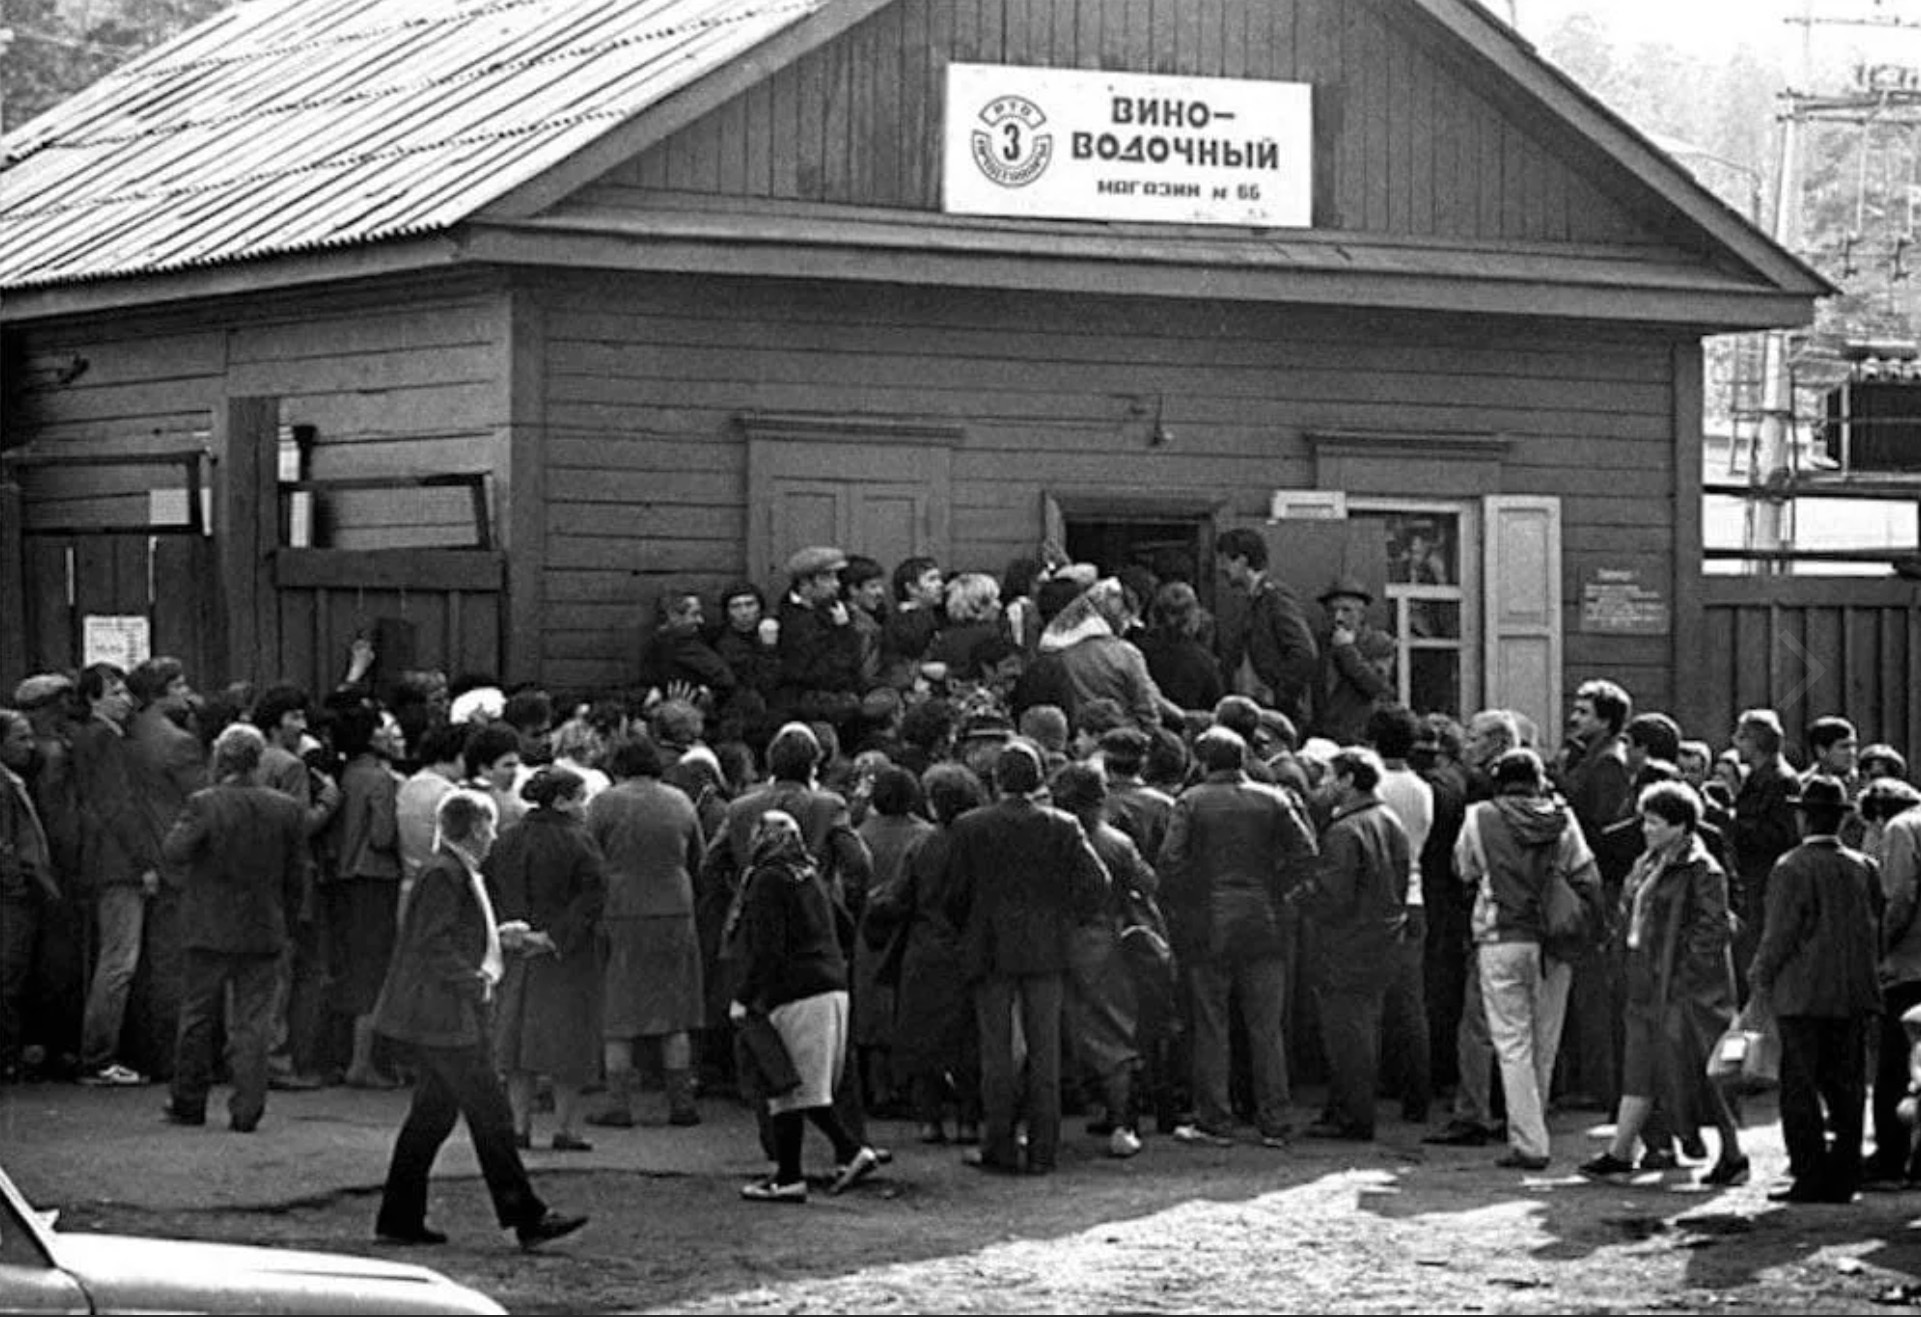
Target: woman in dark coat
[[892, 828], [936, 1048], [1183, 667], [435, 1004], [794, 975], [1680, 985], [548, 876], [651, 838]]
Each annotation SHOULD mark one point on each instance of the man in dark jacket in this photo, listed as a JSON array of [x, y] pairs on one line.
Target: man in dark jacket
[[1234, 849], [1764, 825], [1816, 968], [436, 1003], [120, 862], [240, 846], [1356, 666], [1024, 878], [1358, 900], [1266, 648], [1508, 849], [27, 887], [819, 645]]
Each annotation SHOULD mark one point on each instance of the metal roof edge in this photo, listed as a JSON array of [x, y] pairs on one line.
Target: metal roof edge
[[262, 274]]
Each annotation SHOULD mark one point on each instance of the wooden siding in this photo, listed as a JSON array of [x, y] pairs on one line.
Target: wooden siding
[[1410, 141], [646, 469], [394, 381]]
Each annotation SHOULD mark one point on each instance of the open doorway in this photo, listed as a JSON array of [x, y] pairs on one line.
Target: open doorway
[[1171, 548]]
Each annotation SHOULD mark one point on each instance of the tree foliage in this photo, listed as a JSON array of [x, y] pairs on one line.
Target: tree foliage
[[61, 46]]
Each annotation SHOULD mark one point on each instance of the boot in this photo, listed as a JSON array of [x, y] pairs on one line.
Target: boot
[[680, 1098], [619, 1111]]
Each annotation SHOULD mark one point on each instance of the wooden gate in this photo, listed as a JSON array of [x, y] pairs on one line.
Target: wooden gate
[[55, 574], [444, 606], [1808, 647]]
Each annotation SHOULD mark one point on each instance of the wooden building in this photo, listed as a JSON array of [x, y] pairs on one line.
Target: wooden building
[[660, 291]]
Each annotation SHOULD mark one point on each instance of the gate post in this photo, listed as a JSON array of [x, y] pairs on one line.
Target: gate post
[[13, 590], [246, 434]]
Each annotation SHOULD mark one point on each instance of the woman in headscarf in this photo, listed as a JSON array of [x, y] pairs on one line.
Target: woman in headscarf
[[793, 973], [550, 886], [1680, 986]]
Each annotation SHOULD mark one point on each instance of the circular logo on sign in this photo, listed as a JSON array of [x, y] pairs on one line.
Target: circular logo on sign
[[1010, 147]]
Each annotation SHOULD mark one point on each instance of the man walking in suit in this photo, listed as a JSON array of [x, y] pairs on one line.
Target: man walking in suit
[[1816, 969], [1025, 877], [240, 845]]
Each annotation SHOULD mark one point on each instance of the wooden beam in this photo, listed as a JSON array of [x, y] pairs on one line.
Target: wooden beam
[[246, 435], [1889, 489], [1689, 632], [523, 514], [13, 591], [423, 570]]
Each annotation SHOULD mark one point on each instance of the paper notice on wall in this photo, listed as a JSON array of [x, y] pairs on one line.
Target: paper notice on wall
[[121, 641]]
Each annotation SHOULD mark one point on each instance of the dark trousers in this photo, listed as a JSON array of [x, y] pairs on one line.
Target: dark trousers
[[19, 935], [1893, 1140], [1405, 1053], [1824, 1099], [1590, 1058], [1351, 1033], [455, 1082], [1262, 988], [1004, 1098], [300, 1000], [158, 986], [208, 974]]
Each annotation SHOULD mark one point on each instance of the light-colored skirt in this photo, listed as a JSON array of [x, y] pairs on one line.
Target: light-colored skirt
[[815, 1031]]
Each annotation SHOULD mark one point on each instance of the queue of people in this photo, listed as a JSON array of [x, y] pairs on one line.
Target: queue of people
[[976, 856]]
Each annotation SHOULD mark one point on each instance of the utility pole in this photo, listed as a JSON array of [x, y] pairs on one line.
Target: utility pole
[[1769, 524]]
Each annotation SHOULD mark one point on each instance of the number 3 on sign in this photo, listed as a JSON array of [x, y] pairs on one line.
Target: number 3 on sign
[[1248, 191]]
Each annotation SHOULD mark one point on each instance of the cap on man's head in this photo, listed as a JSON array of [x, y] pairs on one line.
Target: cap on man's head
[[41, 689], [1824, 793], [815, 560], [1347, 587]]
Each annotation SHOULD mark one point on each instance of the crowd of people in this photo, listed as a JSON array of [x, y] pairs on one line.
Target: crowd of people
[[967, 851]]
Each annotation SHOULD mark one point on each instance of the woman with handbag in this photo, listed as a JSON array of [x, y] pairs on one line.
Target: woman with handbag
[[1680, 986], [793, 973]]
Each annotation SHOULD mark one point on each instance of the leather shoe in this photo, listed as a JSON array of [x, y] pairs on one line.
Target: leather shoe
[[1727, 1172], [551, 1225], [1520, 1161], [1333, 1129], [409, 1236], [1659, 1159], [1808, 1193], [1459, 1134], [175, 1116], [992, 1166]]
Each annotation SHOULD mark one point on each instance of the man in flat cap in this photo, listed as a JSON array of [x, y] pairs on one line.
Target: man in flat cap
[[819, 645], [1356, 664]]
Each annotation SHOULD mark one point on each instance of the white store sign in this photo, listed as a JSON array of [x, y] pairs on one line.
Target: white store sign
[[1139, 147]]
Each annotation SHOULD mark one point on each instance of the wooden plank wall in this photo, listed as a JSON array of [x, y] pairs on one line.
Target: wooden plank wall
[[646, 473], [1410, 141], [398, 380], [1808, 647]]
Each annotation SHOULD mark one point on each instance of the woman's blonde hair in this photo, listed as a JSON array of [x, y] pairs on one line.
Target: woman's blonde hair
[[973, 597]]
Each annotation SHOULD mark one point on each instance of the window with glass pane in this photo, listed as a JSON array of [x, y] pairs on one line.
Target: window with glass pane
[[1426, 604]]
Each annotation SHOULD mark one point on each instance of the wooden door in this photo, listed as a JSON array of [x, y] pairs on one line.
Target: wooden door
[[887, 501], [1522, 586]]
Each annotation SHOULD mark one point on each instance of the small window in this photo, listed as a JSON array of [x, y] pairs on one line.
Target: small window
[[1431, 612]]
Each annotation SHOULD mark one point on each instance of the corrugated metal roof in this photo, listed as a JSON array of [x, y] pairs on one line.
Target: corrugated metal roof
[[290, 125]]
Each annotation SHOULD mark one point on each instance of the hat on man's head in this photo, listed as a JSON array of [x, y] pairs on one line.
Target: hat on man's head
[[41, 689], [1082, 574], [1350, 587], [1824, 793], [985, 726], [815, 560]]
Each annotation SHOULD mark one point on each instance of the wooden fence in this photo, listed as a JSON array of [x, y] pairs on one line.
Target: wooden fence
[[1808, 647]]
